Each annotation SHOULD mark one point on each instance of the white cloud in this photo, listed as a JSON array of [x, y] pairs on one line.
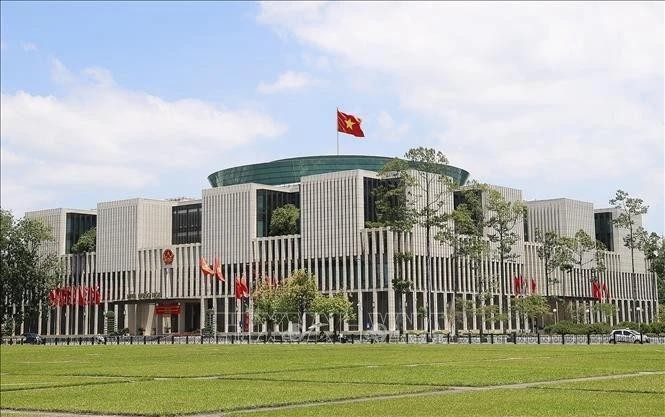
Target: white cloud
[[545, 94], [28, 46], [388, 128], [99, 134], [287, 81]]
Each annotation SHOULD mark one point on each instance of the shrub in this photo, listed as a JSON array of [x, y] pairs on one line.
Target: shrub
[[599, 328], [566, 327]]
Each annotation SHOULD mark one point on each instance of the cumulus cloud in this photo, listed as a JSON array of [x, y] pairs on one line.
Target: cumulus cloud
[[535, 95], [100, 134], [389, 129], [287, 81]]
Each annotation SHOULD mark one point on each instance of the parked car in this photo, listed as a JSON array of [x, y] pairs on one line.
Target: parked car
[[628, 336], [33, 339]]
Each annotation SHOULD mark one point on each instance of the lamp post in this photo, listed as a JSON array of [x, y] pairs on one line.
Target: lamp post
[[556, 315], [639, 321], [588, 312]]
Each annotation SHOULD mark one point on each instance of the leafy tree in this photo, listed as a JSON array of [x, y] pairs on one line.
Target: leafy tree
[[532, 306], [110, 322], [297, 295], [401, 286], [337, 306], [267, 298], [631, 210], [503, 216], [579, 248], [653, 246], [284, 220], [26, 273], [463, 229], [553, 254], [417, 199], [606, 310], [87, 242]]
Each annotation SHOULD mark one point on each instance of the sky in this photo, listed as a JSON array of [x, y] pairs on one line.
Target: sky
[[105, 101]]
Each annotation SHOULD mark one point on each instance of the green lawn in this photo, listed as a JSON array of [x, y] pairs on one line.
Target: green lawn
[[159, 380]]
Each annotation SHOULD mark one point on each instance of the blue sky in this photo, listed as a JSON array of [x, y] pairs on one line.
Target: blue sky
[[105, 101]]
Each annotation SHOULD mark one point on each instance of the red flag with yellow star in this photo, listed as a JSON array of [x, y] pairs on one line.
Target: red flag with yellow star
[[349, 124]]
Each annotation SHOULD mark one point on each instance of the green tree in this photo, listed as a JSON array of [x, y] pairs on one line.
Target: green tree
[[421, 190], [26, 273], [653, 246], [401, 286], [87, 242], [532, 306], [297, 295], [631, 209], [337, 306], [463, 229], [284, 220], [552, 251], [110, 322], [606, 310], [267, 299], [502, 219], [582, 251]]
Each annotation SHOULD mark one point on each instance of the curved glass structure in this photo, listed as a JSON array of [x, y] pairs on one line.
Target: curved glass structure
[[289, 171]]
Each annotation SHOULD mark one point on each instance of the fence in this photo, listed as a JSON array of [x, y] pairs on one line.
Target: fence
[[367, 338]]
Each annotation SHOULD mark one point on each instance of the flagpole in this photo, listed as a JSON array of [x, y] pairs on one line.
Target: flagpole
[[337, 128]]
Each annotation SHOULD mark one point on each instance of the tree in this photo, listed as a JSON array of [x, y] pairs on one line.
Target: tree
[[606, 310], [297, 295], [284, 220], [336, 306], [631, 210], [421, 190], [463, 229], [653, 246], [578, 249], [87, 242], [267, 298], [532, 306], [26, 273], [401, 286], [553, 254], [503, 216]]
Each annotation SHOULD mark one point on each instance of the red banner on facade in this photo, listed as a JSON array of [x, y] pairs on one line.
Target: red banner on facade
[[69, 296], [167, 309]]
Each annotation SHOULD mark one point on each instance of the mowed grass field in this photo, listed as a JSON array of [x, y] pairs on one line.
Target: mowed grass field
[[335, 380]]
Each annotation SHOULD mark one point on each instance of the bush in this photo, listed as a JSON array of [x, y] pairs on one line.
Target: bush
[[566, 327], [599, 328], [626, 325], [654, 328]]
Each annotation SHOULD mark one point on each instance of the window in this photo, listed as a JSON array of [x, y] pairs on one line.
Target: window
[[186, 224], [605, 229], [266, 202], [76, 225]]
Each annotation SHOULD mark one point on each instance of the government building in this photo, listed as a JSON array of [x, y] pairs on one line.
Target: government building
[[146, 265]]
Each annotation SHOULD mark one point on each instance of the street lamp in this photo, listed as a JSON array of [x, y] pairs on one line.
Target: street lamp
[[588, 311], [556, 315], [639, 320]]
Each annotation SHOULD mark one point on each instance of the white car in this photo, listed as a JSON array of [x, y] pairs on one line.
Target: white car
[[628, 336]]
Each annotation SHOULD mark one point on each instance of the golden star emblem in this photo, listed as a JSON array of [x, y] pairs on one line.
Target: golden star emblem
[[349, 123]]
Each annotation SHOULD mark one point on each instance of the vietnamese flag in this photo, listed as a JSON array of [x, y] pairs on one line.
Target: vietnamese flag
[[349, 124], [205, 268], [241, 288], [217, 268]]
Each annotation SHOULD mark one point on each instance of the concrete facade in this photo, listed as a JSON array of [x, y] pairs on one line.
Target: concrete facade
[[335, 245]]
